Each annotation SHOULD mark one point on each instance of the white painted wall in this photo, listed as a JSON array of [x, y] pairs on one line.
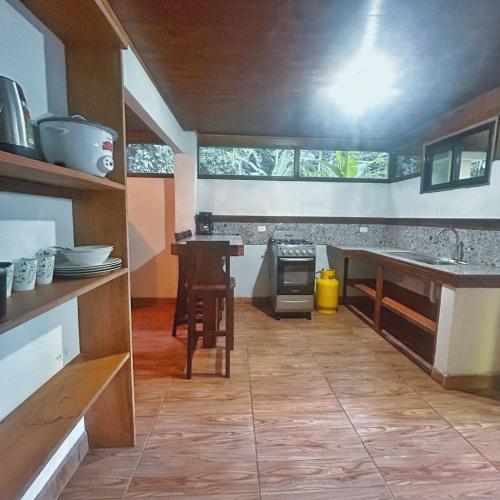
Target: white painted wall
[[33, 352], [259, 197], [473, 202], [399, 199]]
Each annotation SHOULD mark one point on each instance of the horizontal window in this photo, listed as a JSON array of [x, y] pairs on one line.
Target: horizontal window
[[343, 164], [248, 162], [461, 160], [150, 159], [406, 165]]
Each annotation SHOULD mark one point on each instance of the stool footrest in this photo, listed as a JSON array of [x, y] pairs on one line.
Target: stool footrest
[[211, 333]]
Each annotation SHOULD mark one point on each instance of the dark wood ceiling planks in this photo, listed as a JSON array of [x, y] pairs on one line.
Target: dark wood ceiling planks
[[264, 67]]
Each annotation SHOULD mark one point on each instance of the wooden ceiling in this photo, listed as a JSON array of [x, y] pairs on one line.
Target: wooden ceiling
[[264, 67]]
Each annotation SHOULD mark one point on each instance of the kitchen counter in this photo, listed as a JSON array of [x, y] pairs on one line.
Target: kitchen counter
[[457, 275]]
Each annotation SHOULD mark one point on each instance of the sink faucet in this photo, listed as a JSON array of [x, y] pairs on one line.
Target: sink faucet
[[459, 245]]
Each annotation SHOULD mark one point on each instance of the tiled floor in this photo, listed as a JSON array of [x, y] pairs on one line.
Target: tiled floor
[[321, 409]]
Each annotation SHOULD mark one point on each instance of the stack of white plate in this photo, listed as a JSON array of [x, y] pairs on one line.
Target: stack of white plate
[[69, 270]]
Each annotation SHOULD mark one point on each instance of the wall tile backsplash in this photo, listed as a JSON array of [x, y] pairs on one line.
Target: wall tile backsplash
[[480, 246]]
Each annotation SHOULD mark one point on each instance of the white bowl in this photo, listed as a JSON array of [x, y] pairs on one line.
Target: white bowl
[[88, 255]]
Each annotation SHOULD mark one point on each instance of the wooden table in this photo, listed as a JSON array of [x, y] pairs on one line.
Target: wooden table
[[235, 241], [209, 306]]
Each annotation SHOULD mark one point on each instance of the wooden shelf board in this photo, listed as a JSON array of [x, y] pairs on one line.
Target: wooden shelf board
[[410, 315], [23, 306], [365, 286], [38, 172], [410, 354], [35, 429], [358, 312]]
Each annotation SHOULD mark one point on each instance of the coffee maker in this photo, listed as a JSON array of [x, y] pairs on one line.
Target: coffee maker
[[204, 223]]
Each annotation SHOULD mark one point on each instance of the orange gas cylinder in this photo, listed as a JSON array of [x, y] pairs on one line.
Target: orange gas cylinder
[[327, 292]]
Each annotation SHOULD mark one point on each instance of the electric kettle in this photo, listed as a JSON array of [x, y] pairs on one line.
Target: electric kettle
[[16, 129]]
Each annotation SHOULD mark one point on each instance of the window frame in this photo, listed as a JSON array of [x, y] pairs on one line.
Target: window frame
[[393, 166], [246, 177], [150, 175], [296, 174], [452, 142]]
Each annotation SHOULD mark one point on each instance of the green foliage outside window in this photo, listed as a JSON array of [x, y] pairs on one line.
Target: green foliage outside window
[[344, 164], [246, 161], [150, 159], [407, 165]]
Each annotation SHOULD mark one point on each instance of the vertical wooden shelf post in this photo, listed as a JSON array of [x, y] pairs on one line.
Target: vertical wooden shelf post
[[379, 295]]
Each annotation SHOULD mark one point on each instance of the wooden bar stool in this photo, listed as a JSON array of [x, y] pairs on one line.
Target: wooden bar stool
[[180, 314], [208, 278]]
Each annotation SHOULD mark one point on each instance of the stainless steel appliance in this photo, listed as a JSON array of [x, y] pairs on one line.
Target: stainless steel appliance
[[204, 223], [292, 266], [16, 129]]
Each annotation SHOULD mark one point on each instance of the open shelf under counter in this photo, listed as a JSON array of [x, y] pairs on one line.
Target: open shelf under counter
[[23, 306], [34, 430], [63, 181], [417, 319], [366, 286]]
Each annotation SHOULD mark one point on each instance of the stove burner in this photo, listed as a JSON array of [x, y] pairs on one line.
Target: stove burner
[[278, 241]]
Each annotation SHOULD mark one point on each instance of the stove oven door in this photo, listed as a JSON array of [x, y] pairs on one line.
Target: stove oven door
[[296, 275]]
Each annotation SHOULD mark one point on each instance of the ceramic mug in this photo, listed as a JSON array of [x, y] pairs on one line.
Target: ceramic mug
[[3, 291], [9, 269], [25, 274], [45, 268]]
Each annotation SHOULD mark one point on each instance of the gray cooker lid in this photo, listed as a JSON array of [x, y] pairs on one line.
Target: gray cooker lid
[[81, 120]]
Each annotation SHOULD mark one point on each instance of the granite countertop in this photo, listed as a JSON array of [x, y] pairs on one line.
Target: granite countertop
[[453, 269]]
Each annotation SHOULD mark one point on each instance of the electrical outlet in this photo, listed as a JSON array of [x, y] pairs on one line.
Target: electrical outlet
[[363, 229], [261, 229]]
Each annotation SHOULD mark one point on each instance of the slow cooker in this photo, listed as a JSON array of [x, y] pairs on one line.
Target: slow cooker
[[74, 142]]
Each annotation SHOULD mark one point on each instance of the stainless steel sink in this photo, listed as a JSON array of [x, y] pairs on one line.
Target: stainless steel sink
[[426, 259]]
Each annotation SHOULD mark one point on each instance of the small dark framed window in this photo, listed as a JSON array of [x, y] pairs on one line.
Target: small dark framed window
[[150, 160], [461, 160]]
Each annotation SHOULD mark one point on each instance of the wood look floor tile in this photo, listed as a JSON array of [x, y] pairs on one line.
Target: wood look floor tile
[[266, 420], [485, 438], [297, 443], [448, 491], [307, 475], [192, 475], [438, 438], [389, 410], [239, 445], [407, 470], [103, 474], [370, 387], [462, 408], [313, 410], [360, 493], [188, 421], [295, 404]]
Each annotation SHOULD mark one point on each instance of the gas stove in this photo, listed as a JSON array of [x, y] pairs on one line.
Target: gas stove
[[292, 244], [292, 267]]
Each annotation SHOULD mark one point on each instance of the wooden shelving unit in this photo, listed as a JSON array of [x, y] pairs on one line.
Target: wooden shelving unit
[[410, 315], [35, 429], [98, 384], [368, 288], [365, 286], [18, 168], [27, 305], [406, 319]]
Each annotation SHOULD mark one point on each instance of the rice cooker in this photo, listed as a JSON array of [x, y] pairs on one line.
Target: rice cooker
[[74, 142]]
